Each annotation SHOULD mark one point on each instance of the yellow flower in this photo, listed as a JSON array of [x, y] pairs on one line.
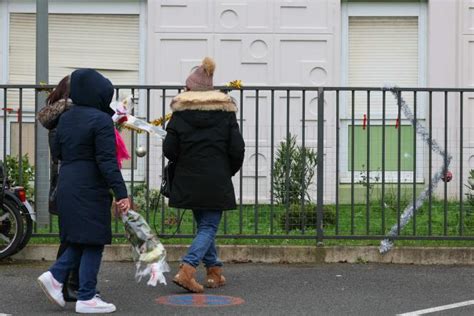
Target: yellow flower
[[161, 120], [236, 84]]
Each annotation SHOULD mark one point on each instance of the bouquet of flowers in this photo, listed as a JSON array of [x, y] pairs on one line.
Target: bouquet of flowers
[[123, 118], [148, 252]]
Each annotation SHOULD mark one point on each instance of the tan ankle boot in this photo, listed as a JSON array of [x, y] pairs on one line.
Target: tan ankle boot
[[185, 279], [214, 277]]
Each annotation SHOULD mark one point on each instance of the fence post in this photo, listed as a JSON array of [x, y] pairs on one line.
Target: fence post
[[41, 144], [320, 167]]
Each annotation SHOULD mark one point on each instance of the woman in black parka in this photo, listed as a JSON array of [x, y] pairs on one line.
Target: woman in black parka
[[85, 145], [204, 141]]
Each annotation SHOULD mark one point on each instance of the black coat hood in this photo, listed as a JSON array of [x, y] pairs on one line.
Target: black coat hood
[[90, 88]]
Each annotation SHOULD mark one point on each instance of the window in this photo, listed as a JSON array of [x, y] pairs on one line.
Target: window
[[75, 41], [391, 148], [27, 140], [383, 43], [382, 50]]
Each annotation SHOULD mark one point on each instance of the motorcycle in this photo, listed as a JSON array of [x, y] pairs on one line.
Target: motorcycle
[[16, 217]]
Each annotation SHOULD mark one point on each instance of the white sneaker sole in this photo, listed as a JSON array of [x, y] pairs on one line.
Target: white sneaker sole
[[48, 295], [95, 310]]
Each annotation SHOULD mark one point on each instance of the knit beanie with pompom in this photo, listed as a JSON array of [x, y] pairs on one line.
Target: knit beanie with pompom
[[201, 78]]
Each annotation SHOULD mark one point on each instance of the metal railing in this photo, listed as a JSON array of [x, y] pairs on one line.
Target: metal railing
[[372, 161]]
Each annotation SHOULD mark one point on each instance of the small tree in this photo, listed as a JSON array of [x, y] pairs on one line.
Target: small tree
[[293, 172], [470, 194]]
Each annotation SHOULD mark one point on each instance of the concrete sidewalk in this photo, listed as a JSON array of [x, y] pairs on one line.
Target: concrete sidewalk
[[289, 254], [266, 289]]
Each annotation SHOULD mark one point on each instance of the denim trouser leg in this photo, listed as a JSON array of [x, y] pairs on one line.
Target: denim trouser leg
[[88, 271], [203, 245], [68, 261], [211, 259], [87, 258]]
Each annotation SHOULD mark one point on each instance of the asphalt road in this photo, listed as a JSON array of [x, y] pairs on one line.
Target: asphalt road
[[328, 289]]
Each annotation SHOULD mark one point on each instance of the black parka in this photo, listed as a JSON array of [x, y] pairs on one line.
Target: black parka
[[205, 142]]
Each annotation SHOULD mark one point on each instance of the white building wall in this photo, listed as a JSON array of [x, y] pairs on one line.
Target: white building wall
[[3, 25], [3, 64], [442, 62], [280, 43], [451, 64], [466, 75]]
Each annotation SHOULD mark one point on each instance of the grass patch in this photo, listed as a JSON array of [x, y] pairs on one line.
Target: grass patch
[[361, 219]]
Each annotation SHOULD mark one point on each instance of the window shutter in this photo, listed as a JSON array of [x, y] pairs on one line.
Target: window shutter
[[382, 50], [108, 43]]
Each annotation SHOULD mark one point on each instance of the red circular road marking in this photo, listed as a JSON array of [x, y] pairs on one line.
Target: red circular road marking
[[199, 300]]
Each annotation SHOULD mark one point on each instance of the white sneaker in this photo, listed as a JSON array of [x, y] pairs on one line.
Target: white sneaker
[[52, 288], [94, 306]]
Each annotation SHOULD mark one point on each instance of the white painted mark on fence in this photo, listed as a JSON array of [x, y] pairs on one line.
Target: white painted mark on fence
[[438, 309]]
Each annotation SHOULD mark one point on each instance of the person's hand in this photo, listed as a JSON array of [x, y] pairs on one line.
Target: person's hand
[[123, 205]]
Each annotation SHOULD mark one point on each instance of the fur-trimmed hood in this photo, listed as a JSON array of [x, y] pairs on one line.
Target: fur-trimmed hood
[[203, 101], [49, 115]]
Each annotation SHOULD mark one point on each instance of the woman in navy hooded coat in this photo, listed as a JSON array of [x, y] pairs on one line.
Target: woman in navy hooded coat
[[85, 145]]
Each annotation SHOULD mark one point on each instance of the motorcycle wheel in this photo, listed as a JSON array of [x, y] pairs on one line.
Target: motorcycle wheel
[[27, 232], [11, 228]]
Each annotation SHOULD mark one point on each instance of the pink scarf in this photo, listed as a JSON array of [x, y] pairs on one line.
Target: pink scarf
[[121, 149]]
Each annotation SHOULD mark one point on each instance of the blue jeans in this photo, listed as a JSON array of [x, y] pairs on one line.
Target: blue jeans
[[203, 247], [87, 258]]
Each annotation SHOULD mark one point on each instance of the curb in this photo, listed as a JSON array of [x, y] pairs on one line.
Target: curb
[[288, 254]]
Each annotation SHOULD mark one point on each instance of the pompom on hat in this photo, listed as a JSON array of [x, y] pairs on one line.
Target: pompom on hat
[[201, 78]]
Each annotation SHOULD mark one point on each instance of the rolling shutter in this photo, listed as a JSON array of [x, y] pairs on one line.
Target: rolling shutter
[[108, 43], [382, 50]]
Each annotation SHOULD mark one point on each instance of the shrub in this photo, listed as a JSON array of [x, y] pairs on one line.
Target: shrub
[[139, 197], [12, 167], [307, 219], [301, 162], [368, 181], [390, 199]]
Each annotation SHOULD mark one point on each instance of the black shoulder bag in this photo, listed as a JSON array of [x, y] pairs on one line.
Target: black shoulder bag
[[165, 190], [167, 180]]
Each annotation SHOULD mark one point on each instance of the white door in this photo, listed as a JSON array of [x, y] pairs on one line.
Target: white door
[[259, 42]]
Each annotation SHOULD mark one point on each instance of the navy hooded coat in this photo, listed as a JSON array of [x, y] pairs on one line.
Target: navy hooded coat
[[85, 144]]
